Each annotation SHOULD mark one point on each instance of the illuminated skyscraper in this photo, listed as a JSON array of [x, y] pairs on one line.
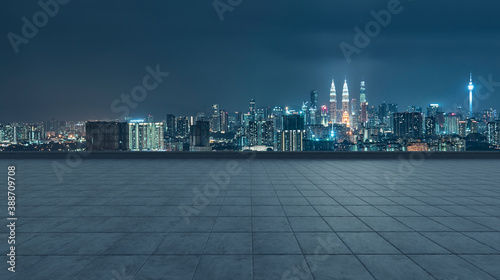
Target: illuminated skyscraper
[[215, 121], [408, 125], [471, 88], [345, 104], [224, 121], [145, 136], [354, 113], [333, 103], [324, 115], [182, 127], [362, 96], [314, 111], [451, 123], [171, 126], [364, 105], [314, 99], [251, 107]]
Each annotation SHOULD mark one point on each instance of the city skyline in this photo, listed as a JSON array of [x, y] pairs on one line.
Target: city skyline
[[325, 99], [352, 125]]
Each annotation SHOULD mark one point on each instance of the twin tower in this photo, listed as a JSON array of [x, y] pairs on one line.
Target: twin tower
[[348, 116]]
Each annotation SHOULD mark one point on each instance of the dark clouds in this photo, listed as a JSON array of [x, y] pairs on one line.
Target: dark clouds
[[274, 51]]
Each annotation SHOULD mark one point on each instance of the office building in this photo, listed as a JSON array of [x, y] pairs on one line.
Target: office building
[[451, 123], [170, 126], [215, 120], [293, 122], [408, 125], [107, 136], [364, 104], [200, 137]]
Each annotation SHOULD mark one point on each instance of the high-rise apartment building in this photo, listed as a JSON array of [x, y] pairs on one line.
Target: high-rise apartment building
[[494, 132], [290, 140], [451, 123], [146, 136]]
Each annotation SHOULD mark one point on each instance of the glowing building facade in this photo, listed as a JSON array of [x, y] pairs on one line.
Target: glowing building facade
[[333, 103], [471, 89], [364, 105], [345, 105]]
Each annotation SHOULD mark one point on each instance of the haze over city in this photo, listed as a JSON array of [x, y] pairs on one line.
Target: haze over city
[[276, 52]]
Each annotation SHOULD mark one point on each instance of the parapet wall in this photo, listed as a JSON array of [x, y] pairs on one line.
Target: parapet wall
[[254, 155]]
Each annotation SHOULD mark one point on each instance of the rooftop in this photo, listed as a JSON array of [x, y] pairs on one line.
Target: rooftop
[[255, 219]]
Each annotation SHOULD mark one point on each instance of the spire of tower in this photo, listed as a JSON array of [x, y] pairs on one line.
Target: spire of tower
[[471, 89], [333, 92], [346, 111], [345, 92]]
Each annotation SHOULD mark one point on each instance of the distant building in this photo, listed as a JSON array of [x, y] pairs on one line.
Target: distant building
[[408, 125], [260, 115], [432, 110], [146, 136], [290, 140], [462, 128], [171, 126], [430, 126], [107, 136], [494, 133], [393, 108], [354, 113], [224, 121], [261, 133], [333, 103], [417, 147], [293, 122], [252, 109], [324, 115], [200, 137], [363, 117], [215, 120], [346, 111], [382, 111], [182, 127]]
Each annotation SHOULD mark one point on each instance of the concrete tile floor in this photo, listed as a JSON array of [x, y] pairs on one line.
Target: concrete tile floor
[[260, 219]]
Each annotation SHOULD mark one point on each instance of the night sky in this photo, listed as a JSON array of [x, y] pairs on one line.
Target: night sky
[[277, 51]]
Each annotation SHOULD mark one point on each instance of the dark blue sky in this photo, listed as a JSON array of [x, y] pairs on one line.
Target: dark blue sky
[[277, 51]]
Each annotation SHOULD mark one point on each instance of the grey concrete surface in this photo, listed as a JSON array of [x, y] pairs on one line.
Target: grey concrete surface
[[254, 219]]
